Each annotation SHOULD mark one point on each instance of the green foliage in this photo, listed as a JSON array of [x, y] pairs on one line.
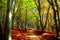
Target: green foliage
[[21, 6], [4, 1]]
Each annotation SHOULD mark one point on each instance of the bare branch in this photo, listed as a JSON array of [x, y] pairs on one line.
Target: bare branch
[[36, 3], [46, 19], [50, 2]]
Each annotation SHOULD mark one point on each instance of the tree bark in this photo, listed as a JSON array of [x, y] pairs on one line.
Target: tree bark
[[55, 13], [8, 21]]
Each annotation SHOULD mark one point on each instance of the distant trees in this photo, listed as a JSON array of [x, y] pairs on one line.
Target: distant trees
[[38, 4], [55, 8], [43, 26]]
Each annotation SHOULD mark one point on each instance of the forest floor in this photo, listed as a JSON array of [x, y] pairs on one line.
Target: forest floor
[[31, 34]]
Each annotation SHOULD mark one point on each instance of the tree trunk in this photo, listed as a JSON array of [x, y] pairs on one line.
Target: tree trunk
[[55, 13], [8, 21], [26, 19]]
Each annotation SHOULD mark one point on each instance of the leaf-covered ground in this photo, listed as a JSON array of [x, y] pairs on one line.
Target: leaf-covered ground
[[32, 34]]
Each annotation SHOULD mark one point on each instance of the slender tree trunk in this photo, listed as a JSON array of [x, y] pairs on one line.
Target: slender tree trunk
[[39, 9], [46, 19], [26, 19], [1, 33], [58, 15], [55, 13]]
